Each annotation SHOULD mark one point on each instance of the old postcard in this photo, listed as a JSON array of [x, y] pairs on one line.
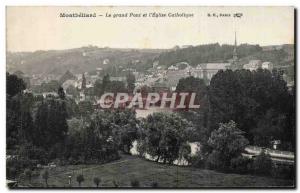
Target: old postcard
[[150, 97]]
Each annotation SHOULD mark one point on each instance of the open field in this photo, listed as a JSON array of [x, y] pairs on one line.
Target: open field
[[130, 167]]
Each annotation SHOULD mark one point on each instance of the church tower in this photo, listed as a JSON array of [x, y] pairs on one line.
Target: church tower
[[235, 56]]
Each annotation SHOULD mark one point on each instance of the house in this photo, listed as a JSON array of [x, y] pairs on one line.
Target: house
[[69, 83], [47, 94], [208, 70], [172, 67], [253, 65], [267, 65]]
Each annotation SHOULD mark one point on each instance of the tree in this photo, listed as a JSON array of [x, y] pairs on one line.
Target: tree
[[130, 78], [128, 127], [72, 91], [105, 82], [14, 85], [269, 128], [61, 93], [115, 87], [262, 164], [50, 123], [245, 97], [98, 88], [83, 83], [19, 122], [135, 183], [97, 181], [85, 108], [154, 184], [163, 135], [80, 179], [227, 143], [45, 176], [28, 174], [199, 117]]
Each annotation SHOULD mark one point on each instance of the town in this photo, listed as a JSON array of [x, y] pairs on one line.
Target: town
[[224, 108]]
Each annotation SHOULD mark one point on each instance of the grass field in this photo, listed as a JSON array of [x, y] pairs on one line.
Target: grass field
[[130, 167]]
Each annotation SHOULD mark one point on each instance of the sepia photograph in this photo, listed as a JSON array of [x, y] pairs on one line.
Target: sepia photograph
[[150, 97]]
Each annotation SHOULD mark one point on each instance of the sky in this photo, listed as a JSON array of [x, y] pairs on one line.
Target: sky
[[41, 28]]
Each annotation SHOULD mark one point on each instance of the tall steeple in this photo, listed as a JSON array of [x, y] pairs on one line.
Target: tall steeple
[[235, 56]]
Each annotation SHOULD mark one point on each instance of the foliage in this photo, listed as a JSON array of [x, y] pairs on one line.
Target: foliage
[[45, 176], [14, 85], [85, 108], [97, 181], [79, 179], [262, 164], [198, 117], [28, 174], [241, 165], [130, 78], [249, 98], [19, 121], [163, 135], [284, 172], [51, 86], [71, 90], [50, 123], [206, 53], [135, 183], [61, 93], [227, 142], [154, 184]]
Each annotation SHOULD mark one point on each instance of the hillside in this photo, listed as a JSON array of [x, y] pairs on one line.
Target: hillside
[[77, 60], [279, 55], [130, 167], [86, 59]]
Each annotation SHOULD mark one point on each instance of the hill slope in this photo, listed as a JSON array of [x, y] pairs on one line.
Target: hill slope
[[146, 172]]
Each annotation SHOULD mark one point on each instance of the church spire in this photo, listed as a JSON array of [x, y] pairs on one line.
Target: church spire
[[235, 56]]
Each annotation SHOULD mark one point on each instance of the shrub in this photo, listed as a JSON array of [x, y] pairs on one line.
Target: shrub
[[240, 165], [215, 161], [262, 164], [116, 183], [198, 160], [11, 172], [283, 171], [154, 184], [80, 179], [28, 174], [45, 176], [97, 181], [135, 183]]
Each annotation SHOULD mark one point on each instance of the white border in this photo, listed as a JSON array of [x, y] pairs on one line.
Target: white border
[[4, 3]]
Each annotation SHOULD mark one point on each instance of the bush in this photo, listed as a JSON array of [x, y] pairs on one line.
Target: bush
[[97, 181], [28, 174], [215, 161], [154, 184], [11, 172], [262, 164], [198, 160], [241, 165], [135, 183], [80, 179], [284, 172]]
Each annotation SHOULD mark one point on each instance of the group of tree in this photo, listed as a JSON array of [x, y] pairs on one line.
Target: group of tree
[[258, 101], [114, 86], [165, 137]]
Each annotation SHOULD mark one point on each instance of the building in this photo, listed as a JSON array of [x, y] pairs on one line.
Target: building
[[235, 56], [267, 65], [253, 65], [69, 83], [208, 70]]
